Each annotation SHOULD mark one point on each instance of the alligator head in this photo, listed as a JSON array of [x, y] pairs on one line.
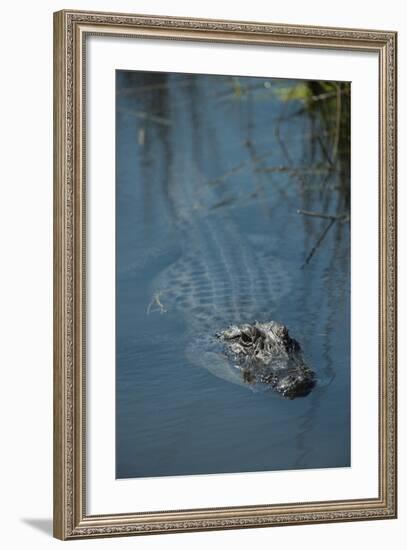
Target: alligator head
[[265, 353]]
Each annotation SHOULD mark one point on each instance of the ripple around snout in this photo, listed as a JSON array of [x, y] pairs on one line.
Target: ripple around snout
[[207, 352]]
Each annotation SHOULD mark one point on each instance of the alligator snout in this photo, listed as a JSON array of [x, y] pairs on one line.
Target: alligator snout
[[296, 386]]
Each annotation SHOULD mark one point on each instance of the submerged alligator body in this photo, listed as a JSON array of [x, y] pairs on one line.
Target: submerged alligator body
[[220, 283], [224, 278]]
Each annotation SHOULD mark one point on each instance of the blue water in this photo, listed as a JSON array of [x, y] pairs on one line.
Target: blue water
[[199, 151]]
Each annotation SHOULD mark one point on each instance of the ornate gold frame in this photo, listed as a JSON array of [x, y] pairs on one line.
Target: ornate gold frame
[[70, 31]]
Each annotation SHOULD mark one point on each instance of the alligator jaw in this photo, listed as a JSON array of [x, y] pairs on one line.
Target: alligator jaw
[[300, 385]]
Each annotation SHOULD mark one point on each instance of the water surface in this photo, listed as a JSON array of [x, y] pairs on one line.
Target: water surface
[[242, 154]]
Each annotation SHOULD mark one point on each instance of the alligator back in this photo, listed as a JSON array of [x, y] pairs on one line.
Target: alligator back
[[224, 275], [221, 278]]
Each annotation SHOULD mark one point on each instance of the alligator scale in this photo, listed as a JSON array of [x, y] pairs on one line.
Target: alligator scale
[[227, 284]]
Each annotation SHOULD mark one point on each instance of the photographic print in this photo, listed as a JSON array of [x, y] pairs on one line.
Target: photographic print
[[224, 274], [232, 274]]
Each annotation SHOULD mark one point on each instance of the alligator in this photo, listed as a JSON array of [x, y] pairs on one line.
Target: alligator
[[222, 280], [265, 353]]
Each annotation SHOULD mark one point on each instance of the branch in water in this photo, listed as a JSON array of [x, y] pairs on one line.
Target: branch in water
[[156, 305], [319, 241], [342, 217], [146, 116], [332, 219]]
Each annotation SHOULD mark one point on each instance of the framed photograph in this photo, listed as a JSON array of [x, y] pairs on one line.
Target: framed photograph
[[225, 274]]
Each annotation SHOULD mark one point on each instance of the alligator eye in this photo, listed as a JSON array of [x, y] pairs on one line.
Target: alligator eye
[[245, 338]]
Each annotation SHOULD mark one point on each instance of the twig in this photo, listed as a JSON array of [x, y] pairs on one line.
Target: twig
[[321, 97], [335, 146], [319, 241], [155, 301], [283, 147], [226, 175], [238, 168], [133, 90], [332, 219], [145, 116], [343, 217], [294, 171]]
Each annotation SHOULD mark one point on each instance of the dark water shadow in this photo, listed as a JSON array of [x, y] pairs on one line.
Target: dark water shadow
[[40, 524]]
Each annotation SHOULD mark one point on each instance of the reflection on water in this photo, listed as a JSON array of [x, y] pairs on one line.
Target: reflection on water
[[211, 174]]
